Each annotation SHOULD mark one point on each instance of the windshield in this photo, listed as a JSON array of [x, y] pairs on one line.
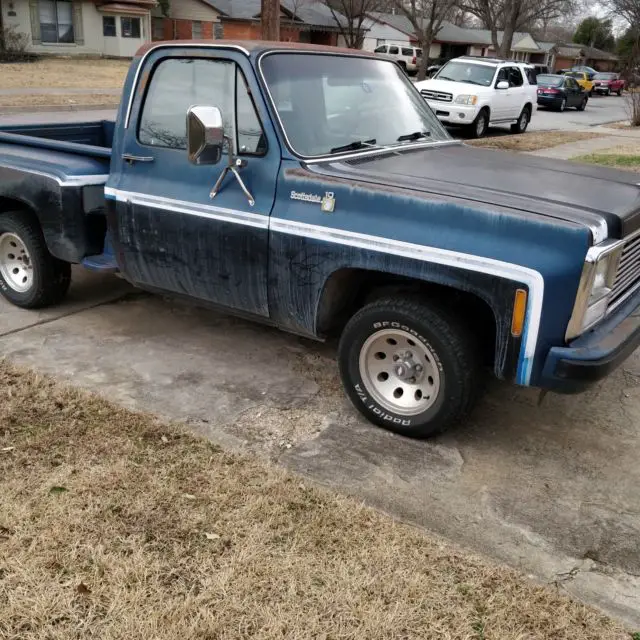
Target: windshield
[[330, 104], [550, 81], [575, 74], [460, 71], [604, 76]]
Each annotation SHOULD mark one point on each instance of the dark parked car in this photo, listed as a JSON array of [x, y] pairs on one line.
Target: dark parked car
[[559, 92], [608, 83]]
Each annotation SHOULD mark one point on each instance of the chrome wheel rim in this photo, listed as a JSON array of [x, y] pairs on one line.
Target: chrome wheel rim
[[524, 120], [480, 125], [15, 263], [563, 104], [400, 372]]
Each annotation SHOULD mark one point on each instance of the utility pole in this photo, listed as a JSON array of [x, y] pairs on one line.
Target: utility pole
[[270, 20]]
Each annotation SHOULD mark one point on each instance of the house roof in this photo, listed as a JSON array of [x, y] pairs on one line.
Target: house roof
[[546, 46], [311, 13], [572, 50], [449, 31]]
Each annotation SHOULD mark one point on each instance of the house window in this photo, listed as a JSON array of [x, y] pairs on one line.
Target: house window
[[158, 28], [56, 21], [109, 26], [196, 30], [130, 27]]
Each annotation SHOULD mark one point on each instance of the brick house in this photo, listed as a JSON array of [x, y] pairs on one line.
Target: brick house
[[566, 56], [301, 21]]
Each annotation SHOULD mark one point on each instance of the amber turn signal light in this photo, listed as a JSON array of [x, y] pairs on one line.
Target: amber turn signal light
[[519, 312]]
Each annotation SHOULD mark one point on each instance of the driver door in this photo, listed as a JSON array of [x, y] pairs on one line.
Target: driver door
[[171, 234]]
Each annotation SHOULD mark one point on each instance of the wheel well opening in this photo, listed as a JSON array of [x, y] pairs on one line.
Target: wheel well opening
[[348, 290], [11, 204]]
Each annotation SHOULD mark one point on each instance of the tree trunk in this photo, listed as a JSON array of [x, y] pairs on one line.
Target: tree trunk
[[424, 60], [270, 20], [507, 42]]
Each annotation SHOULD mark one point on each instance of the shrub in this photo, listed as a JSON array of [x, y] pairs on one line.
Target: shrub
[[13, 46]]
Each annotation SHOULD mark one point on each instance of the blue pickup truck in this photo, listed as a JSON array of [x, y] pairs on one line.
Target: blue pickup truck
[[313, 189]]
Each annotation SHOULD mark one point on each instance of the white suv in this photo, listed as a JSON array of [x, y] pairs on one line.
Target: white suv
[[475, 92], [407, 57]]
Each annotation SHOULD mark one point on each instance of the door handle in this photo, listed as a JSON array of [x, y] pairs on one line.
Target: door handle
[[128, 157]]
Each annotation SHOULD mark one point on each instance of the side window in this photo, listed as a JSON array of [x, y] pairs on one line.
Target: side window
[[394, 50], [515, 77], [503, 75], [251, 139], [532, 75], [180, 83], [407, 52], [382, 49]]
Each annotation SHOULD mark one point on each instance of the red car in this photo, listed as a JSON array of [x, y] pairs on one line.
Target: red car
[[608, 83]]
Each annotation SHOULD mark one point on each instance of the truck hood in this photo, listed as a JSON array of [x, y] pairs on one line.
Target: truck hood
[[605, 200]]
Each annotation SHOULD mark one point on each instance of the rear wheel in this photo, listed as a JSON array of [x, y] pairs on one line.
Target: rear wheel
[[563, 105], [408, 366], [619, 92], [30, 277], [480, 125], [523, 121]]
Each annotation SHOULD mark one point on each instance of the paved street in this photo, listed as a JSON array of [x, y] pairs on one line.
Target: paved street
[[551, 489], [600, 110]]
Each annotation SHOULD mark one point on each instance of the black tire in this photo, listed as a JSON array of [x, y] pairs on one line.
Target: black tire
[[583, 105], [51, 277], [454, 352], [523, 120], [619, 92], [563, 105], [476, 129]]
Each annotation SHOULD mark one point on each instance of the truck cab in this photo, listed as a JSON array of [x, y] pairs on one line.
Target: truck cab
[[314, 189]]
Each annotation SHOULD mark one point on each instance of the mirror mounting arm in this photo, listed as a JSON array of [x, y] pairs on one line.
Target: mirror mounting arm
[[232, 167]]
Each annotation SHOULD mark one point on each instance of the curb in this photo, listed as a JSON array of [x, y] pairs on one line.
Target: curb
[[64, 107]]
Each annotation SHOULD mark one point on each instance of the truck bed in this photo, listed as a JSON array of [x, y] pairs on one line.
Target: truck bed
[[70, 153], [92, 139]]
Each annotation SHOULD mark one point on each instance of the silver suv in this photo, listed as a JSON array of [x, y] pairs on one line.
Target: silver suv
[[407, 57]]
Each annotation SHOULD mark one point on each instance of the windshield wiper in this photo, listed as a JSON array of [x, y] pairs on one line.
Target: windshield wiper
[[445, 78], [416, 135], [355, 145]]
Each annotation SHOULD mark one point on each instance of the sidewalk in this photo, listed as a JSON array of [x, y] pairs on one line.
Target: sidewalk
[[59, 91], [612, 138]]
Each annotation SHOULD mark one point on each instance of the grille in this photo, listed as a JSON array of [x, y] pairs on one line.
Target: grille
[[628, 276], [436, 95]]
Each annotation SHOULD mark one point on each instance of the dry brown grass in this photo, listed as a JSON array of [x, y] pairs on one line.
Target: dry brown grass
[[62, 72], [533, 141], [71, 100], [113, 525]]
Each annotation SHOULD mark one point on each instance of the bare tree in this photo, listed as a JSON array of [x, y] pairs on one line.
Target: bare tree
[[510, 16], [350, 17], [629, 10], [426, 18]]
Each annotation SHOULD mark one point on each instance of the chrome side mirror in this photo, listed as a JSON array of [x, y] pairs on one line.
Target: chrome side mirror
[[205, 135], [503, 84]]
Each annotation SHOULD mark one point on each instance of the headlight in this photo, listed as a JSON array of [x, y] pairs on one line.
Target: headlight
[[464, 99], [596, 283]]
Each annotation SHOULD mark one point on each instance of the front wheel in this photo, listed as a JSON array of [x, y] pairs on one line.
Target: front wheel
[[523, 122], [30, 277], [583, 105], [480, 125], [408, 366]]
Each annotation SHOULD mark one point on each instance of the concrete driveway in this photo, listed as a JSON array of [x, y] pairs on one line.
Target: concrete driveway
[[552, 490]]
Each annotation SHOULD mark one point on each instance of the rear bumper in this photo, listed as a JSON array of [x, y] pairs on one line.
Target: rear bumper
[[549, 101], [591, 357]]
